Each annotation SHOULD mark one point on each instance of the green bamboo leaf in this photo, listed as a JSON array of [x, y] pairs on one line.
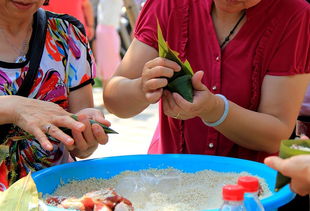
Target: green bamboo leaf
[[186, 69], [182, 85], [286, 151], [166, 52], [21, 196], [105, 128], [162, 45]]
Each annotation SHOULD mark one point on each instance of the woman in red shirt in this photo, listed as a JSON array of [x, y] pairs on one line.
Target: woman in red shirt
[[253, 52]]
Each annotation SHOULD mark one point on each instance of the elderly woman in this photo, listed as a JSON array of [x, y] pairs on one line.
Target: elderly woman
[[61, 86], [254, 57]]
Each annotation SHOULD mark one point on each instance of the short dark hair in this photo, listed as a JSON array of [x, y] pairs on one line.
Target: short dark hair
[[46, 2]]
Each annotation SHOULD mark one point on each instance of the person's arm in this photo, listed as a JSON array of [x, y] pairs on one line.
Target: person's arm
[[279, 106], [89, 18], [262, 130], [124, 95], [81, 98], [38, 118], [297, 168]]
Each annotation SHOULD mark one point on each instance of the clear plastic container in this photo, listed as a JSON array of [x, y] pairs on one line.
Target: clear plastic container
[[233, 197], [251, 189]]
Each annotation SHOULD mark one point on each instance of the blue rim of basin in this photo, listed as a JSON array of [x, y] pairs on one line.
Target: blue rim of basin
[[111, 166]]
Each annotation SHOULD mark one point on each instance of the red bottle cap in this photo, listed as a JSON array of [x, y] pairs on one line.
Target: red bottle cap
[[233, 193], [249, 183]]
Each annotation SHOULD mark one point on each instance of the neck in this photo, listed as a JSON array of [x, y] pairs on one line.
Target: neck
[[15, 26], [226, 24], [14, 39], [224, 16]]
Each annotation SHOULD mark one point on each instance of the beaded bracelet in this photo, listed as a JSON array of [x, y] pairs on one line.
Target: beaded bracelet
[[224, 115]]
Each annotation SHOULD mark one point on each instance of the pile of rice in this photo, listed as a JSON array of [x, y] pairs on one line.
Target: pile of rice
[[163, 189]]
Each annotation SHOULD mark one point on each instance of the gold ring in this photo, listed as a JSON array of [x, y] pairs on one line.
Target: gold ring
[[177, 116]]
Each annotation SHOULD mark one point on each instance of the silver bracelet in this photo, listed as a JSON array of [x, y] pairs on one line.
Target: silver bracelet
[[224, 115]]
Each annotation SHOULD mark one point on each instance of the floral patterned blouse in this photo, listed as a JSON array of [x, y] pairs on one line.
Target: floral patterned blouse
[[67, 64]]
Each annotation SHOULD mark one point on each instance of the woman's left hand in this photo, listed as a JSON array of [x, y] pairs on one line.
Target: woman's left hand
[[86, 142], [174, 105]]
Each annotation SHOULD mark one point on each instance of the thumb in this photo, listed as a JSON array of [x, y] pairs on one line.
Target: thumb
[[196, 81], [274, 162]]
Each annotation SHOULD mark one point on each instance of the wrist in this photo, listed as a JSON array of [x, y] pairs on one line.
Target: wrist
[[8, 110], [219, 113], [213, 110]]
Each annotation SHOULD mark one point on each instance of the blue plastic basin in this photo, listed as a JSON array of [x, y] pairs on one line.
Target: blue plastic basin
[[47, 180]]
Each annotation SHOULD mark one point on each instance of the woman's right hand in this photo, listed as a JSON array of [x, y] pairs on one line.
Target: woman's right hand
[[297, 168], [41, 118], [154, 77]]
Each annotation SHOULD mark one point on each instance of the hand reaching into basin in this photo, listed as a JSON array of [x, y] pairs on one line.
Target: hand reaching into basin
[[297, 168]]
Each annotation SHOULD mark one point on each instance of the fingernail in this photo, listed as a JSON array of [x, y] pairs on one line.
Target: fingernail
[[48, 146], [80, 125], [69, 141]]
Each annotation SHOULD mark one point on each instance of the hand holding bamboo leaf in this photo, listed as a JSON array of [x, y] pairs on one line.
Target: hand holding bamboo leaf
[[292, 165], [55, 123], [87, 142], [296, 169], [34, 117], [205, 104], [155, 77], [184, 84]]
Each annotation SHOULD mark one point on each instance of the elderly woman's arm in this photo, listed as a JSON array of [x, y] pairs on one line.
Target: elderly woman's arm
[[35, 117]]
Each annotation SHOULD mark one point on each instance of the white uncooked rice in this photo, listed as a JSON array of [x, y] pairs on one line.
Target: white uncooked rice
[[302, 148], [163, 189]]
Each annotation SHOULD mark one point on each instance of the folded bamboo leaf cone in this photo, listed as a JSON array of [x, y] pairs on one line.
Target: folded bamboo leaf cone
[[289, 148], [181, 81], [183, 86]]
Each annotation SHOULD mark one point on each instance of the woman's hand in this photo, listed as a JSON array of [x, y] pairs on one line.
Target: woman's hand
[[204, 101], [154, 77], [86, 142], [41, 118], [297, 168]]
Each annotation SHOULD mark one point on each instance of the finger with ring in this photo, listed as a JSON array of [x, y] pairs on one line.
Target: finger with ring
[[177, 116], [47, 128]]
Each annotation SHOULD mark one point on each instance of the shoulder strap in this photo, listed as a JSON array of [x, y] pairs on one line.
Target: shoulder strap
[[36, 51]]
